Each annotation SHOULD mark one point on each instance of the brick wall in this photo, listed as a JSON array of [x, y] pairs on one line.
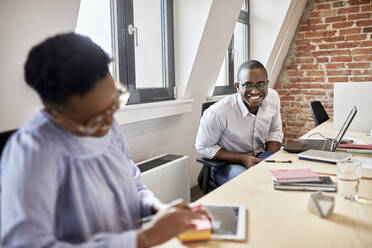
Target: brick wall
[[333, 43]]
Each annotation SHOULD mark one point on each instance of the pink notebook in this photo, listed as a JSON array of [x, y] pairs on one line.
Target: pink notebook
[[295, 175], [355, 146]]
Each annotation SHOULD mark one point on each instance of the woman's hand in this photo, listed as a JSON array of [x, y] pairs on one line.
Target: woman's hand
[[167, 224]]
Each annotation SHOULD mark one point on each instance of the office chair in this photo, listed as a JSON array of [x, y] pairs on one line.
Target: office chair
[[319, 113], [204, 178], [4, 136]]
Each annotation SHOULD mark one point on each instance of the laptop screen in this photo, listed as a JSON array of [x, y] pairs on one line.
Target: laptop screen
[[344, 128]]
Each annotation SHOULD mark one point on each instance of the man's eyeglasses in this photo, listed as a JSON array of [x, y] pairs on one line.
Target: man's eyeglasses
[[259, 85]]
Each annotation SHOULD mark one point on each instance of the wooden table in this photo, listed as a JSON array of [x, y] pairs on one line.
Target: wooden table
[[281, 218]]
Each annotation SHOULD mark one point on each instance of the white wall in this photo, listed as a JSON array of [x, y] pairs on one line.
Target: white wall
[[24, 23], [202, 32], [266, 20]]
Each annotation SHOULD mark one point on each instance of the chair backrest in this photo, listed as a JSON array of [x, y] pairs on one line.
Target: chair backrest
[[4, 136], [206, 105], [319, 113]]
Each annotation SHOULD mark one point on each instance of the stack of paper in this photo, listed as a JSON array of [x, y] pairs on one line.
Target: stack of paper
[[355, 148], [325, 185], [301, 179], [294, 176]]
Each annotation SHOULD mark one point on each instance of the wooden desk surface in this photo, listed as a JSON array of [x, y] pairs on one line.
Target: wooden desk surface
[[281, 218]]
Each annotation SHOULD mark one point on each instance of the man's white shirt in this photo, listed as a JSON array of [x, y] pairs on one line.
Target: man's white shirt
[[229, 124]]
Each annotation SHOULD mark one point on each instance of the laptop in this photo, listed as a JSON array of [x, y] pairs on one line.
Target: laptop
[[300, 145]]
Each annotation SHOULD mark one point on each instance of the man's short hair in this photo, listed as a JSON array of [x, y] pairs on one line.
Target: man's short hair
[[65, 65], [250, 65]]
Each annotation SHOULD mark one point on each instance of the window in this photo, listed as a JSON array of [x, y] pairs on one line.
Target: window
[[236, 54], [94, 20], [145, 49]]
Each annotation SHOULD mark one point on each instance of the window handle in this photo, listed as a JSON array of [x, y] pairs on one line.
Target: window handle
[[133, 30]]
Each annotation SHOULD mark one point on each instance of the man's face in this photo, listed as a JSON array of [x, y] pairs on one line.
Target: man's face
[[252, 86]]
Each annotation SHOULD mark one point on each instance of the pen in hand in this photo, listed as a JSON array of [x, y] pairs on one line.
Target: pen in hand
[[278, 161]]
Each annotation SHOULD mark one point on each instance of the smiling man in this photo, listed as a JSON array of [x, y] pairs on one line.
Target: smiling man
[[243, 128]]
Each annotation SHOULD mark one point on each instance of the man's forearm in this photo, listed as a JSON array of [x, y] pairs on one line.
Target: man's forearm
[[231, 157], [273, 146]]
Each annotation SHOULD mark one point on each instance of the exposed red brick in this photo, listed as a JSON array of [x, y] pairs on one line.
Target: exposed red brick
[[309, 67], [364, 23], [322, 60], [314, 14], [295, 73], [365, 43], [306, 48], [300, 36], [338, 79], [311, 21], [338, 72], [314, 73], [326, 86], [335, 39], [304, 54], [358, 2], [303, 42], [356, 37], [367, 72], [342, 59], [362, 51], [342, 25], [335, 66], [339, 52], [317, 40], [366, 8], [350, 31], [348, 10], [312, 27], [359, 16], [320, 53], [324, 1], [326, 46], [359, 65], [301, 79], [347, 44], [361, 79], [291, 67], [342, 34], [295, 92], [286, 98], [315, 34], [335, 19], [325, 13], [363, 58], [324, 6]]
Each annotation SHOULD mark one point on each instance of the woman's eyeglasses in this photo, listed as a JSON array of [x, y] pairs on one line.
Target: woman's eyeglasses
[[259, 85], [100, 122]]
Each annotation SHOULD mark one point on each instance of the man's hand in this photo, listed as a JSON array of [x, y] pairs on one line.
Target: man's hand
[[236, 158], [249, 160], [167, 224]]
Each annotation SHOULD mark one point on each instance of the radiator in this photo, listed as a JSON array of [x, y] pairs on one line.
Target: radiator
[[167, 176]]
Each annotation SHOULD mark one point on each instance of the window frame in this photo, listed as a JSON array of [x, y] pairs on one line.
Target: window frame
[[126, 54], [230, 88]]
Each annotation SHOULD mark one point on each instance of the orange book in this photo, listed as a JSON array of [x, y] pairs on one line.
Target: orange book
[[201, 231]]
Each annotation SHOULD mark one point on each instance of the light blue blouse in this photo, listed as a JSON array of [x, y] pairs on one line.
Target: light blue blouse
[[61, 190]]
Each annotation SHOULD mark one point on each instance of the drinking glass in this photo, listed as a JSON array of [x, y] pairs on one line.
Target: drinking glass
[[349, 173]]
